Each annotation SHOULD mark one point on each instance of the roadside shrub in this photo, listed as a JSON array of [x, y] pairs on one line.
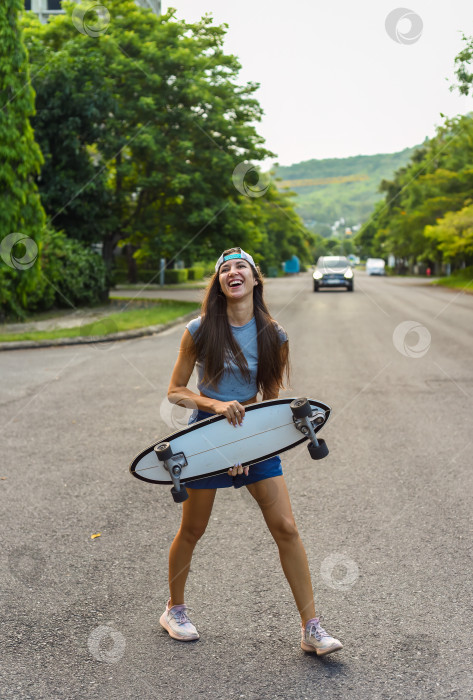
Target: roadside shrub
[[208, 266], [175, 276], [10, 303], [273, 272], [78, 273], [146, 276], [195, 273], [66, 274], [119, 277]]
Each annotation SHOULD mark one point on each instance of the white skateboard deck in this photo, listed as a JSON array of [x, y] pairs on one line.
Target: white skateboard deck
[[213, 445]]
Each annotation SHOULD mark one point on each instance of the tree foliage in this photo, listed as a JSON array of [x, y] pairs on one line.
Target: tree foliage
[[453, 234], [21, 212], [437, 180], [151, 128]]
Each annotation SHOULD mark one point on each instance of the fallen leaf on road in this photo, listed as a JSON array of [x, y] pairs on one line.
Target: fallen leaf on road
[[97, 534]]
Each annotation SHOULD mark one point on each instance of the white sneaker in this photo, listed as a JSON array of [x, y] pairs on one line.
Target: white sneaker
[[176, 621], [315, 638]]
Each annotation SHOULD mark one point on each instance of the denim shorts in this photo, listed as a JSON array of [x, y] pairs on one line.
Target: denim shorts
[[257, 472]]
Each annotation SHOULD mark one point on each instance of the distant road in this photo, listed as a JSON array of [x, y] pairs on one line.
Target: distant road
[[386, 518]]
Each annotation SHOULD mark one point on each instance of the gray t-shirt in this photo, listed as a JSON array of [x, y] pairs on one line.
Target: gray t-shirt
[[233, 385]]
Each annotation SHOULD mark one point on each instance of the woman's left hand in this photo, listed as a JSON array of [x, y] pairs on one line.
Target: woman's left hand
[[238, 469]]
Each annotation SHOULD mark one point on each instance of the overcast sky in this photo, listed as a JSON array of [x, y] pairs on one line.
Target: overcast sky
[[333, 82]]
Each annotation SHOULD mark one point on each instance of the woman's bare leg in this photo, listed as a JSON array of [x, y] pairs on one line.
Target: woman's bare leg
[[273, 499], [195, 516]]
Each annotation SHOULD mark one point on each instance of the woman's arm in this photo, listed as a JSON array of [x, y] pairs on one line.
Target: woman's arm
[[178, 392]]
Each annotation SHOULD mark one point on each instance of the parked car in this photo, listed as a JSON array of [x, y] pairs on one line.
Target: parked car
[[375, 266], [333, 271]]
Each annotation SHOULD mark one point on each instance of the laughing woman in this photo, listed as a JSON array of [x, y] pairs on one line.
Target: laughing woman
[[239, 351]]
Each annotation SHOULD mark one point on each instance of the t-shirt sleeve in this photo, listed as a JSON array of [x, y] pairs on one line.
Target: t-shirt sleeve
[[193, 325], [283, 337]]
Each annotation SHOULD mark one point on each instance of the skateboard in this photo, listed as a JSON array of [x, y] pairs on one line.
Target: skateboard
[[211, 446]]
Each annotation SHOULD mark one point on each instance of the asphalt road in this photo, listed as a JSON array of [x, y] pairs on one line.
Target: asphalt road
[[385, 519]]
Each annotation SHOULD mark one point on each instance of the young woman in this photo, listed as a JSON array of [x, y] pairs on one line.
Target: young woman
[[239, 351]]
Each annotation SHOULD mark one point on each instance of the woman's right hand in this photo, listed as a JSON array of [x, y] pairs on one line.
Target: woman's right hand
[[233, 411]]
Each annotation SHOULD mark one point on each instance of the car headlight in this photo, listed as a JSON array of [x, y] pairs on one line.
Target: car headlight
[[348, 274], [317, 275]]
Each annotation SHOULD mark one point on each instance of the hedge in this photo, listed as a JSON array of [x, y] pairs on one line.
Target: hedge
[[120, 276], [195, 273], [175, 276], [66, 274]]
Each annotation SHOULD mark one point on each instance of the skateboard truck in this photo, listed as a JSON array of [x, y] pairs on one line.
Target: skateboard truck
[[304, 418], [174, 463]]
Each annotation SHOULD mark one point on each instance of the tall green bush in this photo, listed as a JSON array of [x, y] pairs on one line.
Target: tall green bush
[[195, 273], [175, 276], [21, 215], [70, 276]]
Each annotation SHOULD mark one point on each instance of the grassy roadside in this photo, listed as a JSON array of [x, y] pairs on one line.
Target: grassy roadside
[[159, 312], [461, 279], [141, 287]]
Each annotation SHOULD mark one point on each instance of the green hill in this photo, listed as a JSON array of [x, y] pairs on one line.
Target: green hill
[[351, 198]]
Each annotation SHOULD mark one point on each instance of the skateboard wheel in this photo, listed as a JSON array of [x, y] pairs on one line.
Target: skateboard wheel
[[179, 496], [318, 452], [301, 408], [163, 451]]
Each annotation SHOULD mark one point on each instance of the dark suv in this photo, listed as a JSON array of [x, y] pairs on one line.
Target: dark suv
[[333, 271]]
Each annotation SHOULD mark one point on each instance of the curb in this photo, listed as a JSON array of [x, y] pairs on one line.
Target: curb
[[93, 339]]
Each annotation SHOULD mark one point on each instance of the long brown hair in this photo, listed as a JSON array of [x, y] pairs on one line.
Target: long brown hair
[[214, 342]]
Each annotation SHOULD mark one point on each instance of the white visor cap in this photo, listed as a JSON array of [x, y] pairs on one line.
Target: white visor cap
[[232, 256]]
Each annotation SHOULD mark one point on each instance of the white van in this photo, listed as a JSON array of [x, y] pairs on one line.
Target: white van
[[375, 266]]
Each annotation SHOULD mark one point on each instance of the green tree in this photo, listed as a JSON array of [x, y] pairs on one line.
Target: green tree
[[70, 114], [463, 63], [437, 180], [21, 215], [178, 125], [453, 235], [284, 233]]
